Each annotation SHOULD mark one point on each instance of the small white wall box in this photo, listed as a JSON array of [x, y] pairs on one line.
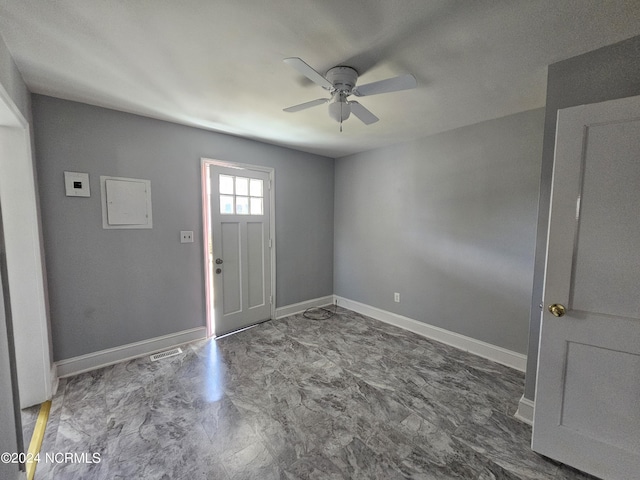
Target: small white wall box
[[76, 184], [126, 203]]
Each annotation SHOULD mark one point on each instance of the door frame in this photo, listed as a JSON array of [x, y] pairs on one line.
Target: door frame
[[206, 228]]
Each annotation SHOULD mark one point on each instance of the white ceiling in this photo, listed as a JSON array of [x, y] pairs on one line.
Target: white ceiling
[[218, 64]]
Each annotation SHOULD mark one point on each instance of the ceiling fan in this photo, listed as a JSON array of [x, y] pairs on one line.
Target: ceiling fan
[[341, 83]]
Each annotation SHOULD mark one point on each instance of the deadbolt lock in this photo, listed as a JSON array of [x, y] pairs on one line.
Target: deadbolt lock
[[557, 310], [218, 271]]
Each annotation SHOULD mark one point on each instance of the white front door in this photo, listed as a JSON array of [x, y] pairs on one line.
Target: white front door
[[240, 224], [587, 406]]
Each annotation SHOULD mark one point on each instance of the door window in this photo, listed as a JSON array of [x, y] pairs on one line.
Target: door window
[[241, 195]]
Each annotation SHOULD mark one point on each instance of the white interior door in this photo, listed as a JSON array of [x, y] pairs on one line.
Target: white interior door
[[240, 224], [587, 406], [25, 263]]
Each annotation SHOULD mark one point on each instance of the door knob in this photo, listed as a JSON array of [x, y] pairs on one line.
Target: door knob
[[218, 271], [219, 261], [557, 310]]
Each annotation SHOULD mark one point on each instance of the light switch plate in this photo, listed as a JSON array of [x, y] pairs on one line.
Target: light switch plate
[[76, 184], [186, 236]]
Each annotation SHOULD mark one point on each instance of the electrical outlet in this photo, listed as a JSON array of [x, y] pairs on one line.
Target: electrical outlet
[[186, 236], [396, 297]]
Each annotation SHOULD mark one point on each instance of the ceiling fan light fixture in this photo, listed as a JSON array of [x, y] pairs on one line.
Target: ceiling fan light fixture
[[339, 110]]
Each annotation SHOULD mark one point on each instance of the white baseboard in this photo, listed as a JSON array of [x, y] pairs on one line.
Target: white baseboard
[[497, 354], [525, 410], [302, 306], [54, 380], [103, 358]]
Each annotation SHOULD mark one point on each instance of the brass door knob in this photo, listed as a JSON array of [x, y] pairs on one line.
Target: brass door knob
[[557, 310]]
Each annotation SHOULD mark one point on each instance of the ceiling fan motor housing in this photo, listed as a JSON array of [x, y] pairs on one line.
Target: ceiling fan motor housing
[[343, 79]]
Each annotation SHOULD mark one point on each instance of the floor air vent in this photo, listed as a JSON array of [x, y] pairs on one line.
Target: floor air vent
[[168, 353]]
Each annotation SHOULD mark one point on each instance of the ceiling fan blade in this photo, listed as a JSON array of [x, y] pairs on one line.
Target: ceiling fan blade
[[303, 106], [308, 72], [394, 84], [364, 115]]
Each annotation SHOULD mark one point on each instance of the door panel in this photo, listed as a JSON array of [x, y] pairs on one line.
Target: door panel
[[587, 412], [589, 406], [607, 267], [232, 278], [240, 224], [256, 259]]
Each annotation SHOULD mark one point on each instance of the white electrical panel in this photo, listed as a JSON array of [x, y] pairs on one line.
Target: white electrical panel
[[126, 203], [76, 184]]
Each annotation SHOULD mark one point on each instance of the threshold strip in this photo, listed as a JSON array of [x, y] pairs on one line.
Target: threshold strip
[[36, 438]]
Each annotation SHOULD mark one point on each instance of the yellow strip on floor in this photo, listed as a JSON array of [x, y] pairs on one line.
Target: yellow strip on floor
[[36, 438]]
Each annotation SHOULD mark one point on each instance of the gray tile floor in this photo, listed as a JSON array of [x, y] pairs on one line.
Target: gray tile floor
[[29, 416], [344, 398]]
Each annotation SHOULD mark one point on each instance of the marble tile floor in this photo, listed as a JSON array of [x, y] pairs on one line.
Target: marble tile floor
[[344, 398], [28, 416]]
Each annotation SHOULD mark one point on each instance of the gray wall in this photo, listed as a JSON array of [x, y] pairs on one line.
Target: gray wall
[[12, 81], [112, 287], [11, 434], [604, 74], [447, 221]]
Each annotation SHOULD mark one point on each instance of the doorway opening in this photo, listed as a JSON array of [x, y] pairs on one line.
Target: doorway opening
[[235, 290]]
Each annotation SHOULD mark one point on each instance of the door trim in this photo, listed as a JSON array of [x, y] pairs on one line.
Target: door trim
[[205, 163]]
